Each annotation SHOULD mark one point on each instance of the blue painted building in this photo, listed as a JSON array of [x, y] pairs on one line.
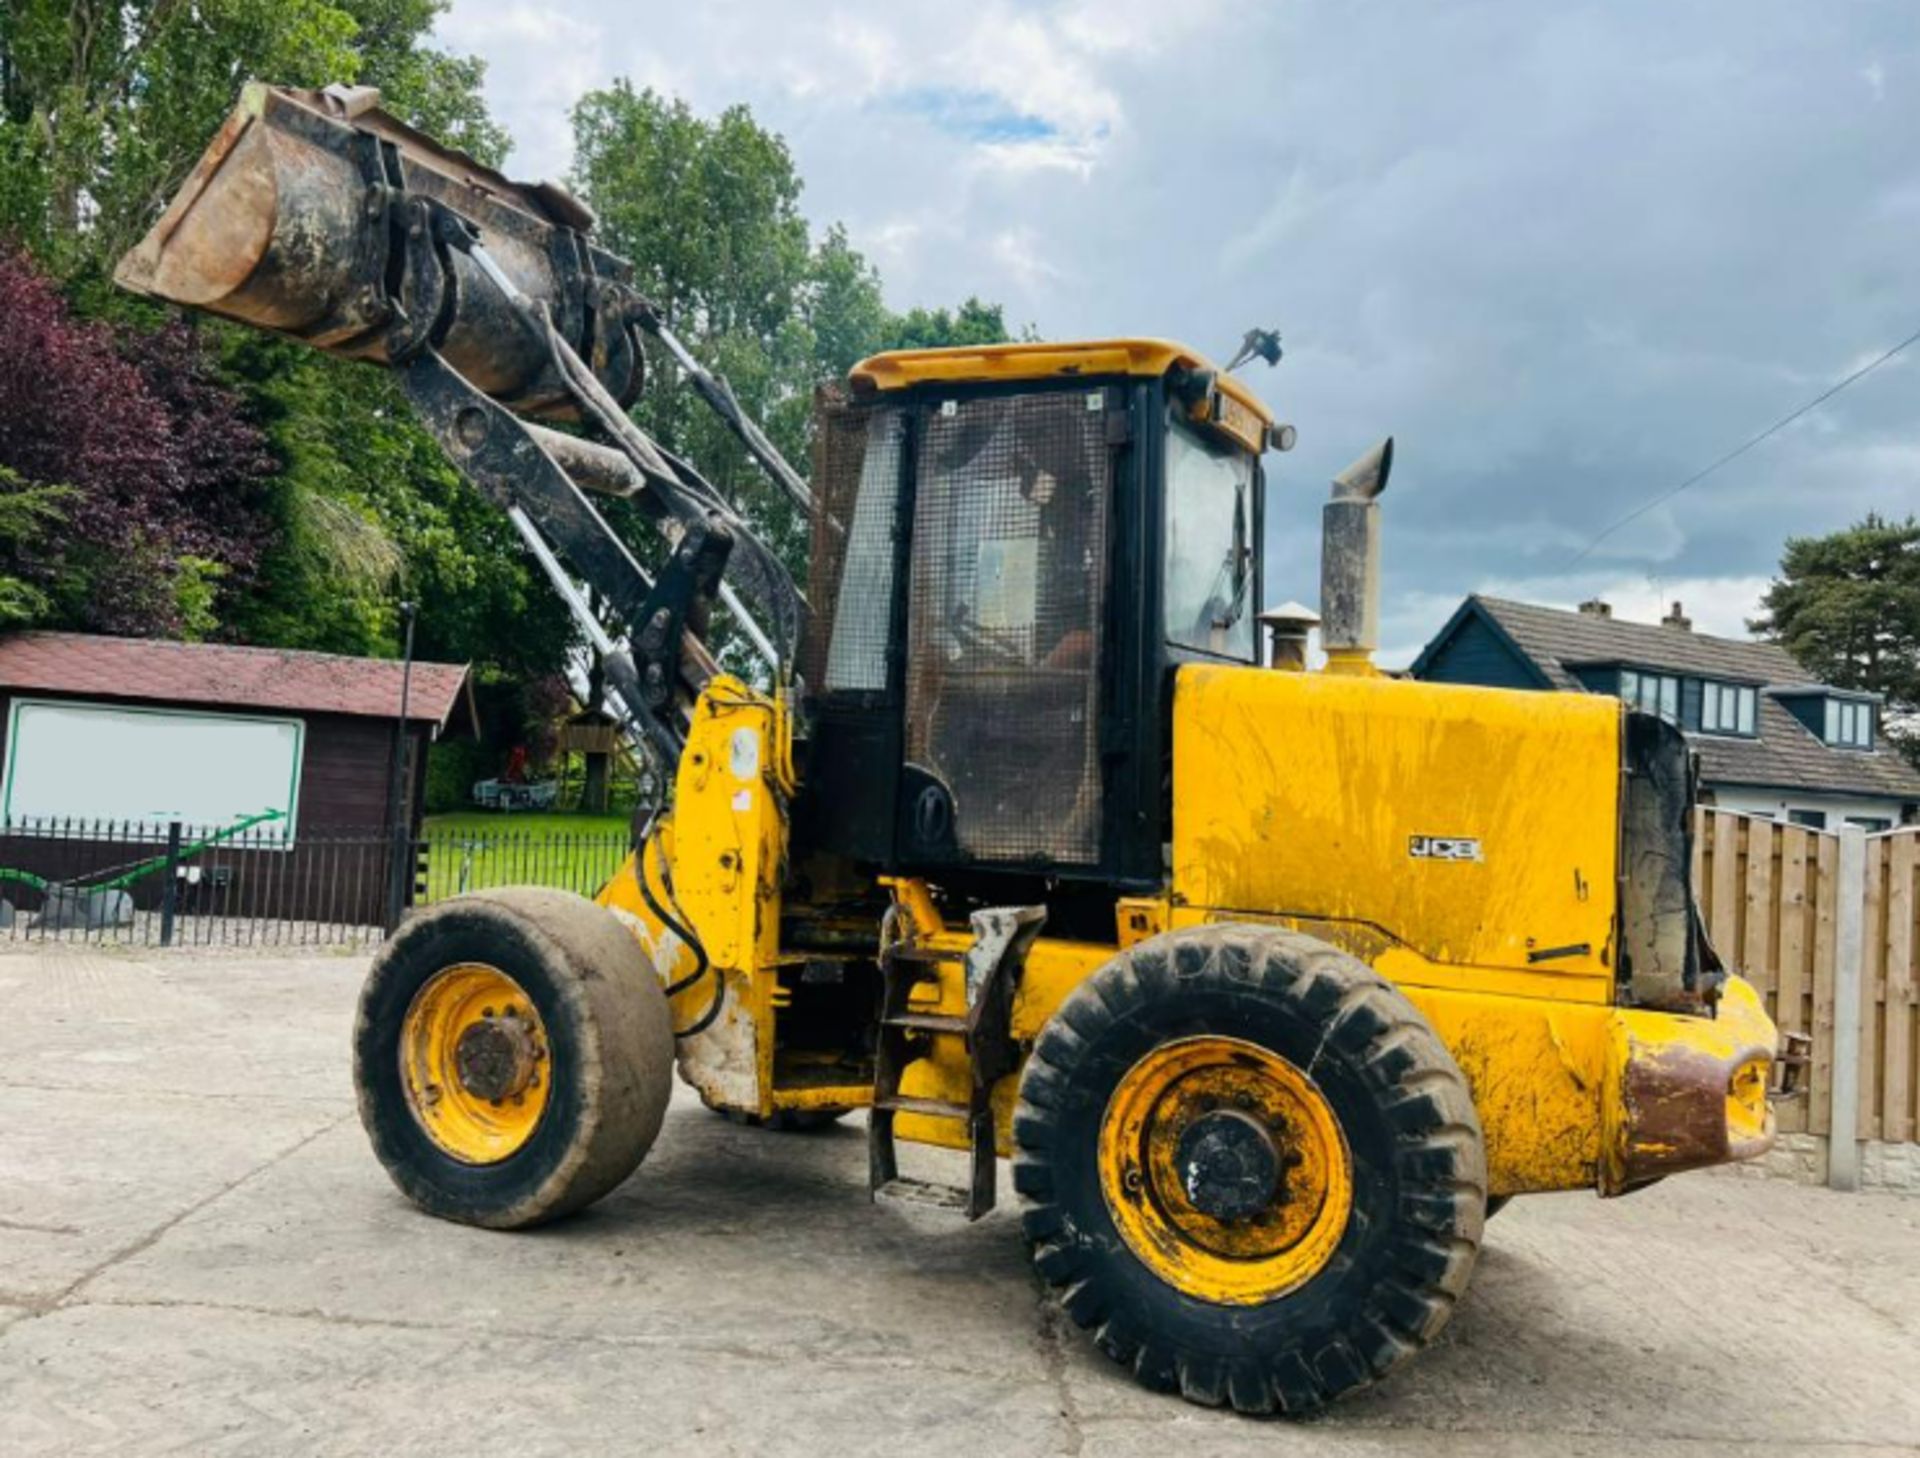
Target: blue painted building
[[1771, 740]]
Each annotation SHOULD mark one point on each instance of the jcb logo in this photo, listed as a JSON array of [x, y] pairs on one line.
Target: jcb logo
[[1444, 848]]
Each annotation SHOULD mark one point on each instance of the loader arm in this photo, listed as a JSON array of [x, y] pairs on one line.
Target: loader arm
[[319, 216]]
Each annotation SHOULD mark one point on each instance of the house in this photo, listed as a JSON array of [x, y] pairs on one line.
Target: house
[[150, 731], [1771, 740]]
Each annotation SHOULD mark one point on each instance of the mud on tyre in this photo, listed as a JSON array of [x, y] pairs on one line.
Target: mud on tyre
[[1250, 1167]]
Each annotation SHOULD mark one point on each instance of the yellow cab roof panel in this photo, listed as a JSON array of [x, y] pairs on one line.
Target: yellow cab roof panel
[[902, 369]]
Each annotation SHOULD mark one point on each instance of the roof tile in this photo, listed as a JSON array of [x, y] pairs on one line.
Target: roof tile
[[1785, 754], [161, 670]]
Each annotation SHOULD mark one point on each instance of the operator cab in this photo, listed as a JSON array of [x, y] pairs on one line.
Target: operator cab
[[1013, 547]]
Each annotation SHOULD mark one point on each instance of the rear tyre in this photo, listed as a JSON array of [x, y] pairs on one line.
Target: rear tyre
[[1250, 1167], [513, 1056]]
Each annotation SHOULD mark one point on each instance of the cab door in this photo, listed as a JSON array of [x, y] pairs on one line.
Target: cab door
[[1005, 616]]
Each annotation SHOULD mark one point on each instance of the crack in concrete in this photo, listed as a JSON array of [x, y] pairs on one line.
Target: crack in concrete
[[679, 1343], [41, 1306], [1334, 1420], [34, 1227], [1051, 1339], [237, 1096]]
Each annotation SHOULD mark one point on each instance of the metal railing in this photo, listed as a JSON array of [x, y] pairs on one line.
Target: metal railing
[[143, 884]]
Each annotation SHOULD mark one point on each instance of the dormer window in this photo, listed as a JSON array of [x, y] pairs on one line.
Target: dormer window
[[1849, 724], [1652, 693], [1728, 708]]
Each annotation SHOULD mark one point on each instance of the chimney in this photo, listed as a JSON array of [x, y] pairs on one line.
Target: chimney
[[1287, 628], [1595, 607], [1677, 619]]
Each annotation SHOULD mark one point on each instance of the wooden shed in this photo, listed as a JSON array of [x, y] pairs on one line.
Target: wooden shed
[[140, 733]]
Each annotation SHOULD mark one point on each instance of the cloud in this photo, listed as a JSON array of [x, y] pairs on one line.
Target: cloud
[[1566, 255], [1017, 250]]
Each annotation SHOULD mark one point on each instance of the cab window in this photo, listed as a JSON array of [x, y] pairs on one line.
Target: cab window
[[1207, 585]]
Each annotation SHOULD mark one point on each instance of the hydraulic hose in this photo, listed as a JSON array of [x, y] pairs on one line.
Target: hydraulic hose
[[702, 964]]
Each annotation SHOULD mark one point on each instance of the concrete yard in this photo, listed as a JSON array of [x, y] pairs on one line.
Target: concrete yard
[[198, 1254]]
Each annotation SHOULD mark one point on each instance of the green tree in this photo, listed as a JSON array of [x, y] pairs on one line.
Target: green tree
[[106, 104], [110, 101], [972, 323], [370, 511], [708, 210], [842, 306], [1847, 606], [27, 513], [103, 110], [427, 88]]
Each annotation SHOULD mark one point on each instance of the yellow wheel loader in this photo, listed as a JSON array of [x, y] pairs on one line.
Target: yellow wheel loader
[[1270, 984]]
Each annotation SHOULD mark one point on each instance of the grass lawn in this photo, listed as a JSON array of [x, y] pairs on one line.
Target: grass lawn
[[471, 850]]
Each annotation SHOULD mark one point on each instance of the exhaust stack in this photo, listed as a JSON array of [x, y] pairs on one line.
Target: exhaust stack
[[1350, 564]]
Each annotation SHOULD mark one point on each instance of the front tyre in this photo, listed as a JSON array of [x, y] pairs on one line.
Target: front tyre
[[1250, 1166], [513, 1056]]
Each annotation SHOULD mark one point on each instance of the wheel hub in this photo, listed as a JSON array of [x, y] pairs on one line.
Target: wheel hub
[[1228, 1165], [476, 1062], [1225, 1169], [494, 1058]]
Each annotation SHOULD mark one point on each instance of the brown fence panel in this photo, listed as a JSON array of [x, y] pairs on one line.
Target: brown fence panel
[[1891, 996], [1770, 901]]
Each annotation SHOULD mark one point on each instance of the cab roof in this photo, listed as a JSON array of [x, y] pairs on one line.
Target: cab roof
[[902, 369]]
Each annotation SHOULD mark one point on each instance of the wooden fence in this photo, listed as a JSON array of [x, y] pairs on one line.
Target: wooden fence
[[1780, 911]]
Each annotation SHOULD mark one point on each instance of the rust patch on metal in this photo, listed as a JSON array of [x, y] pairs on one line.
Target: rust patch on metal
[[1676, 1107]]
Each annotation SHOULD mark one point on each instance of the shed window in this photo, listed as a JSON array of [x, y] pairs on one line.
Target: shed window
[[91, 763], [1727, 708], [1652, 693], [1849, 723]]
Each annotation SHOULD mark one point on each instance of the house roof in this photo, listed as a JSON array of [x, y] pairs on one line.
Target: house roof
[[1555, 638], [227, 676], [1784, 754]]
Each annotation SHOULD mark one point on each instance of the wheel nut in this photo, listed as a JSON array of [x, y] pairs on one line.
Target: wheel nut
[[1133, 1181]]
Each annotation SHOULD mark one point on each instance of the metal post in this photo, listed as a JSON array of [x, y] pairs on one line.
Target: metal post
[[1849, 961], [170, 893], [397, 828]]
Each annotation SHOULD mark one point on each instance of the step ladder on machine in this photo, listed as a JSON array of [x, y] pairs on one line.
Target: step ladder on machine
[[1001, 937]]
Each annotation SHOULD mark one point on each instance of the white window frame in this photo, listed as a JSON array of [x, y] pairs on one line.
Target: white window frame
[[1728, 708], [1651, 693], [1849, 724]]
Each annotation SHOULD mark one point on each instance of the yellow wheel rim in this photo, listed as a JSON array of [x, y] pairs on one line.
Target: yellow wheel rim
[[1225, 1170], [475, 1062]]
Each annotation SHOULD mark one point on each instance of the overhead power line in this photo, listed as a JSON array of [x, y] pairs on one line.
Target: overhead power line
[[1740, 450]]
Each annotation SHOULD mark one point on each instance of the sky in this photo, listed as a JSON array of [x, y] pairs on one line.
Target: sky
[[1566, 255]]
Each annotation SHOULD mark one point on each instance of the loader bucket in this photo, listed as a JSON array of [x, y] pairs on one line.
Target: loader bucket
[[286, 224]]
